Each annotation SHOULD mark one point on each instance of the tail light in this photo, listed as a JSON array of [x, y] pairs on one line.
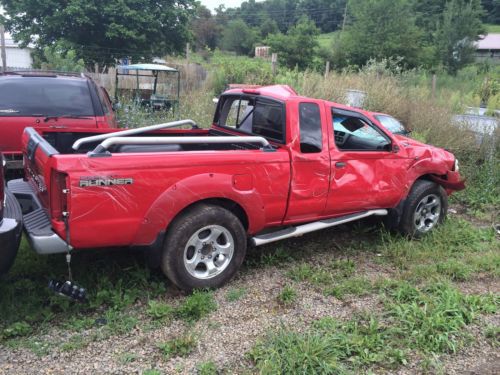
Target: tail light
[[58, 195]]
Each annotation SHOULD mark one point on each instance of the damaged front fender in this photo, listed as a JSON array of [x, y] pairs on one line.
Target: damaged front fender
[[452, 181]]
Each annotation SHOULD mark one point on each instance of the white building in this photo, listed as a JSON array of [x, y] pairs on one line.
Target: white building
[[16, 56], [488, 48]]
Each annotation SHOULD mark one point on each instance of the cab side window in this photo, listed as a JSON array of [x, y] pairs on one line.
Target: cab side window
[[353, 133], [311, 138]]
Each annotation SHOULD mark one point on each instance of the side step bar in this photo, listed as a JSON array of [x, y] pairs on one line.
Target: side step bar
[[311, 227]]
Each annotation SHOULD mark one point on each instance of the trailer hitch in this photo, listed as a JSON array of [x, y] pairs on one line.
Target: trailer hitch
[[68, 288]]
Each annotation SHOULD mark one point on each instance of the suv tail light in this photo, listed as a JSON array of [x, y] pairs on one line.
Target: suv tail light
[[58, 195]]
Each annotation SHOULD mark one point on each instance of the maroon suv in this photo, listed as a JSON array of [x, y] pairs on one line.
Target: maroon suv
[[48, 100]]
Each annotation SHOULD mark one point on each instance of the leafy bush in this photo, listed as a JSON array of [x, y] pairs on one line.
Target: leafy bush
[[231, 69], [16, 329]]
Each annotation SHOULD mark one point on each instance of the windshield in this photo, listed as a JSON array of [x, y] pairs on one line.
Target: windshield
[[391, 124], [44, 96]]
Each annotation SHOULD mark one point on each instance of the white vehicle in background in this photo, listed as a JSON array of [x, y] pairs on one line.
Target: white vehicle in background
[[484, 128], [392, 124]]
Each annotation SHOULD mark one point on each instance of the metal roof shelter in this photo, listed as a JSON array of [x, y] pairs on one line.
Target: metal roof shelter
[[155, 101]]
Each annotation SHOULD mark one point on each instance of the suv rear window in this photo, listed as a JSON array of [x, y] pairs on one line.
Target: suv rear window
[[44, 96]]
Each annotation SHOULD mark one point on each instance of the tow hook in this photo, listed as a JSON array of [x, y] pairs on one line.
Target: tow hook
[[68, 288]]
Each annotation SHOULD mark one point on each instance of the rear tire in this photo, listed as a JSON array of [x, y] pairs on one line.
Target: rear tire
[[425, 208], [8, 249], [204, 248]]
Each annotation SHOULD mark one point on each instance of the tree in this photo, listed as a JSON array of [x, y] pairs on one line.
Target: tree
[[297, 47], [492, 11], [268, 26], [238, 37], [61, 58], [205, 29], [102, 31], [381, 29], [328, 15], [459, 29]]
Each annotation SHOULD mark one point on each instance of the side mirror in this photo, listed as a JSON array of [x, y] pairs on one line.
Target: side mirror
[[395, 149]]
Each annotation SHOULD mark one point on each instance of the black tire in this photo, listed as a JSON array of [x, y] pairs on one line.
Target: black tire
[[12, 239], [423, 192], [187, 228]]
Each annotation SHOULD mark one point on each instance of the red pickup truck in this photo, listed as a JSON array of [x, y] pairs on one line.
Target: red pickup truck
[[273, 165]]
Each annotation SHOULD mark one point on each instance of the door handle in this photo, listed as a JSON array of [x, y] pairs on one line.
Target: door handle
[[340, 164]]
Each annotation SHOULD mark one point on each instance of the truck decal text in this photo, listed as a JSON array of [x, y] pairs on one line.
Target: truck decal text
[[105, 181]]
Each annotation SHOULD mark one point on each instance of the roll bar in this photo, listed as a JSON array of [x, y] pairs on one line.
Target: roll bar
[[101, 149], [144, 129]]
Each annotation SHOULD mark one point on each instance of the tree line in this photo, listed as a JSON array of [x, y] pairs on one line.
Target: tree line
[[434, 34]]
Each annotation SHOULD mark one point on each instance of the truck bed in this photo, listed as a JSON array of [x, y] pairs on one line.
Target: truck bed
[[62, 141]]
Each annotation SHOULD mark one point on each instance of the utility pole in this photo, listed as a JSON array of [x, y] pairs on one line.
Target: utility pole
[[345, 15], [2, 47]]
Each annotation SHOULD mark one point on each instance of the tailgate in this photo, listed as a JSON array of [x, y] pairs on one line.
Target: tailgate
[[38, 207], [37, 153]]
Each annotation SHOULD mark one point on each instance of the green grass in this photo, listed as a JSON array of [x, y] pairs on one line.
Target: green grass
[[207, 368], [326, 40], [196, 306], [178, 347], [287, 296], [456, 251], [492, 334], [355, 286], [127, 357], [430, 320], [159, 310], [492, 28], [338, 279], [151, 372], [74, 343], [235, 294]]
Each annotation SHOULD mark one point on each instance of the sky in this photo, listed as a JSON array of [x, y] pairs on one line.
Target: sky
[[212, 4]]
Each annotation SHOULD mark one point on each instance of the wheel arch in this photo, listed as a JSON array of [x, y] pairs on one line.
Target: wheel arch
[[218, 189], [226, 203], [394, 217]]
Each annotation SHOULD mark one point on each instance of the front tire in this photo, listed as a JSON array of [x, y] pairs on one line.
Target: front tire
[[425, 208], [204, 248]]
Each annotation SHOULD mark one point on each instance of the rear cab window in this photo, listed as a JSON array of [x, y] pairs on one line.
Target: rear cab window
[[258, 116], [45, 96], [311, 136]]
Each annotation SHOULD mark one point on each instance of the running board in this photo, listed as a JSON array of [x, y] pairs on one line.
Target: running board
[[312, 227]]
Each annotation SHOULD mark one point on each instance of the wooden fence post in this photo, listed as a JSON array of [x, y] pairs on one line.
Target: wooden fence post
[[327, 69], [274, 63], [434, 86]]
